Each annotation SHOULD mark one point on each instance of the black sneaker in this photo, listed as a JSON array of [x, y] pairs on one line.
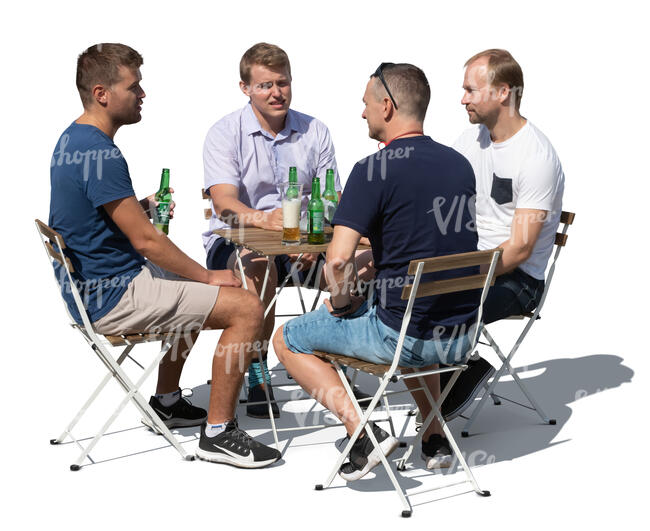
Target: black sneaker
[[181, 414], [364, 456], [261, 411], [469, 383], [436, 452], [235, 447]]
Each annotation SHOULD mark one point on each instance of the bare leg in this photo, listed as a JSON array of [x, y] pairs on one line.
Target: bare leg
[[433, 383], [319, 379], [254, 269], [240, 315], [171, 366]]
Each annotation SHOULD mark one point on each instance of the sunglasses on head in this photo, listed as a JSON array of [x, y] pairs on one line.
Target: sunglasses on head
[[380, 74]]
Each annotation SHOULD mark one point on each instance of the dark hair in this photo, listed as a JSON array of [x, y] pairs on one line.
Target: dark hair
[[100, 64], [502, 68], [409, 87], [264, 54]]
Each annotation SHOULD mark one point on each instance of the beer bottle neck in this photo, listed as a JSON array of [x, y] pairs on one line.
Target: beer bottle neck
[[164, 180], [315, 189]]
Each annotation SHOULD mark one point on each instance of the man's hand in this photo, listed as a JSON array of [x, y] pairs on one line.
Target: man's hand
[[149, 203], [272, 220], [223, 277], [355, 303], [307, 259]]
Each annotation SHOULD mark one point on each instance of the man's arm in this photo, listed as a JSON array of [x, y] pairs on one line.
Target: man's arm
[[527, 224], [128, 215], [339, 268], [225, 198]]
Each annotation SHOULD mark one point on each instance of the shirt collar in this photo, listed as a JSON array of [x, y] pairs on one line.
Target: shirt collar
[[252, 125]]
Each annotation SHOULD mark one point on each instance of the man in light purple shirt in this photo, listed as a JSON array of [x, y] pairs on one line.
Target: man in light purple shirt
[[246, 156]]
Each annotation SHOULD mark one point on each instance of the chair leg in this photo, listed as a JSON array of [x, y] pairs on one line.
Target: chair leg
[[91, 399], [529, 396]]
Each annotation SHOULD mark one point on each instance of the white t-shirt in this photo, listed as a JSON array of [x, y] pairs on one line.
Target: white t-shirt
[[522, 172]]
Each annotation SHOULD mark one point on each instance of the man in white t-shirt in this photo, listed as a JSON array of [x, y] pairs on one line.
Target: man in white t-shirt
[[519, 187]]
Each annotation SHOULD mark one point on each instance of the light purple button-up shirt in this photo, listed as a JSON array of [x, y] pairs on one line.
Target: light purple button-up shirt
[[238, 151]]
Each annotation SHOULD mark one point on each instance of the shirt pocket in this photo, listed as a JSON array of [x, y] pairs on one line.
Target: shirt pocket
[[501, 190]]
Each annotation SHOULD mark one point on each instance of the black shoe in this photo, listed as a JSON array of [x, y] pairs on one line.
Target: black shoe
[[235, 447], [436, 452], [181, 414], [261, 411], [466, 388], [364, 456]]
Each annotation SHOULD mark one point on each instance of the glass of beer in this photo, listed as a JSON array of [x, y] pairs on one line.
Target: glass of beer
[[291, 203]]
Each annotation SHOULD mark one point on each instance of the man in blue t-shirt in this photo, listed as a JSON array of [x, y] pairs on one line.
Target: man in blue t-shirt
[[413, 199], [131, 277]]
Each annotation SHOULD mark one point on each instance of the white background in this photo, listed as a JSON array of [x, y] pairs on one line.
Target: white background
[[586, 77]]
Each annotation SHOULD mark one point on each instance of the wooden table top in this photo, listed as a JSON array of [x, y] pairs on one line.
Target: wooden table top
[[269, 242]]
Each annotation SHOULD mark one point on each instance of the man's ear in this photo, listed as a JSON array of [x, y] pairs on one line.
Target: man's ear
[[245, 88], [100, 95], [503, 93]]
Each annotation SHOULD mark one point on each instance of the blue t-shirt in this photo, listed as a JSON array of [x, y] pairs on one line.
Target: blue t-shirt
[[414, 199], [88, 171]]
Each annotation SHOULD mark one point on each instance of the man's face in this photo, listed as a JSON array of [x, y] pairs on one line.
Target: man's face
[[124, 98], [269, 90], [373, 112], [481, 99]]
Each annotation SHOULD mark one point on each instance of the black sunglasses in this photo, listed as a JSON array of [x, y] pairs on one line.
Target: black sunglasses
[[379, 73]]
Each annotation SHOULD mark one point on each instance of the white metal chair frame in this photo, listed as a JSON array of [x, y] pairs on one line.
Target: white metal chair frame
[[113, 364], [411, 292], [561, 237]]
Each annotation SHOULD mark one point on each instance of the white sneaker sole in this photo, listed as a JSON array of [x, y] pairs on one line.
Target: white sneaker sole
[[387, 447], [216, 457], [437, 462]]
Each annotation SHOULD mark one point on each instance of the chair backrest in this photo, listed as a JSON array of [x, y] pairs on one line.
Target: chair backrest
[[451, 285], [207, 212], [566, 219], [49, 237]]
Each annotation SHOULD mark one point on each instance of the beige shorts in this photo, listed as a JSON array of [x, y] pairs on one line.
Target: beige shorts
[[158, 301]]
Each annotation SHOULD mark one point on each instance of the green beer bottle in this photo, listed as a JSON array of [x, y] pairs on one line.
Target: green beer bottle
[[292, 192], [164, 198], [315, 211], [330, 197]]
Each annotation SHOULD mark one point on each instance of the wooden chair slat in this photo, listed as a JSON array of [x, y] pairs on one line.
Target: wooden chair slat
[[49, 233], [449, 285], [567, 217], [454, 261], [354, 363], [118, 341], [56, 256], [207, 213], [560, 239]]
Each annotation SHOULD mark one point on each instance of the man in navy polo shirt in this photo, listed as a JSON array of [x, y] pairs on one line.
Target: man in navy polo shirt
[[131, 276], [413, 199]]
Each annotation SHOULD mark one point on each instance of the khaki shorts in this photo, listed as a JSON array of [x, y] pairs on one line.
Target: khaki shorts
[[158, 301]]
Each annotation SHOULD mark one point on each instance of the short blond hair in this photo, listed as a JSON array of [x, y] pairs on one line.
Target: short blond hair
[[502, 68], [264, 54]]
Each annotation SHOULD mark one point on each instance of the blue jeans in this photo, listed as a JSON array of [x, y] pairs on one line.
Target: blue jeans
[[362, 335]]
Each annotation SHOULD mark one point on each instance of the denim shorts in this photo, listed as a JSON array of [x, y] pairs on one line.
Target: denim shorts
[[362, 335]]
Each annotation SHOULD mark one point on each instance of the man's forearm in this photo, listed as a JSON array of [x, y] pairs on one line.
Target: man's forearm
[[235, 213], [164, 253], [340, 282], [513, 256]]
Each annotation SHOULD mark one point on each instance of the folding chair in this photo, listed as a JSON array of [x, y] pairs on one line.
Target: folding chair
[[113, 364], [566, 219], [387, 373]]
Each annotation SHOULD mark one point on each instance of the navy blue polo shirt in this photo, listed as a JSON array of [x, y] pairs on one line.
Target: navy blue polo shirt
[[414, 199], [86, 172]]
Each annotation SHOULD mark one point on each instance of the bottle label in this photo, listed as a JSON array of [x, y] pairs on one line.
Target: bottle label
[[316, 222]]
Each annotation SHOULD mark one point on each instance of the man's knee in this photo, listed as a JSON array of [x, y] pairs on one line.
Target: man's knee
[[278, 344]]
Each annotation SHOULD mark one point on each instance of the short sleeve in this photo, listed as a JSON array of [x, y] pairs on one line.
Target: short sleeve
[[220, 161], [327, 158], [538, 185], [361, 201], [106, 175]]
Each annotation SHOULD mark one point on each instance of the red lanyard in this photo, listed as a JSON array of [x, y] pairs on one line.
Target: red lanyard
[[399, 136]]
